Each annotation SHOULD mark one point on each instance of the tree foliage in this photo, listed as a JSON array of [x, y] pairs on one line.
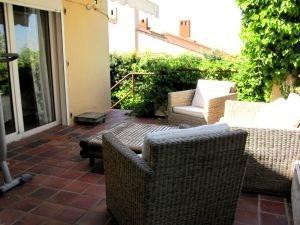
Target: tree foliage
[[271, 34], [171, 73]]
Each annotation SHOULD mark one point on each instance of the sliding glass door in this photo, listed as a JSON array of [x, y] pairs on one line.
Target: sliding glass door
[[31, 27], [27, 84], [5, 81]]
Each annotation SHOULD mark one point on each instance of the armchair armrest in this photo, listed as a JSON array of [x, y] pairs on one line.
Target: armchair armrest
[[126, 178], [117, 156], [216, 107], [180, 98]]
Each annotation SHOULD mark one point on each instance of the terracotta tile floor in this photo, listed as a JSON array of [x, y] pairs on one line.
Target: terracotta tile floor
[[64, 191]]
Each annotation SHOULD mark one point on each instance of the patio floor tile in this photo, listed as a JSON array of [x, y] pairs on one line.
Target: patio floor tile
[[43, 193], [58, 183], [39, 180], [30, 220], [271, 198], [54, 171], [37, 169], [71, 174], [63, 198], [85, 201], [271, 219], [76, 186], [8, 200], [10, 216], [90, 178], [24, 190], [54, 222], [94, 218], [65, 190], [272, 207], [70, 215], [48, 210], [248, 203], [97, 190], [246, 217], [27, 204]]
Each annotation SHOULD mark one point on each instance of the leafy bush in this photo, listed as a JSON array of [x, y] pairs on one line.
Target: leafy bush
[[271, 34], [171, 73]]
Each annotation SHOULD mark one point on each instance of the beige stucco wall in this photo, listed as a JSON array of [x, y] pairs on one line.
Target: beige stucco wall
[[87, 51], [276, 92]]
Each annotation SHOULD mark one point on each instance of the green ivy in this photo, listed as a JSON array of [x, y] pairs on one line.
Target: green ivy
[[271, 35]]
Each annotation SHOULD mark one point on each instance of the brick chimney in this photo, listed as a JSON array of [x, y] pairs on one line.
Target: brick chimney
[[144, 24], [185, 29]]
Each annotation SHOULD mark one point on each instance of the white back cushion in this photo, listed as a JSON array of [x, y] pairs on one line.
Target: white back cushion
[[181, 133], [208, 89], [280, 114]]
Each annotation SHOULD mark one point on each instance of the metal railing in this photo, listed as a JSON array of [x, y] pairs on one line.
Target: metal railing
[[128, 76], [133, 76]]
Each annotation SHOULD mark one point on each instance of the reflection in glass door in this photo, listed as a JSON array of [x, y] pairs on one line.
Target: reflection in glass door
[[27, 84], [32, 41], [5, 83]]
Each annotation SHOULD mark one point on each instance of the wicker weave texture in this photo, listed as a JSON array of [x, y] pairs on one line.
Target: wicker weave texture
[[130, 134], [272, 152], [186, 182], [212, 114]]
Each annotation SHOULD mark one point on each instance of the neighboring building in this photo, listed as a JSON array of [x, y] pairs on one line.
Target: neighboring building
[[151, 41], [63, 68], [132, 31]]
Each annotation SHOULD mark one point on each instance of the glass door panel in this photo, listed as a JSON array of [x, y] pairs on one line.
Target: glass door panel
[[32, 40], [5, 83]]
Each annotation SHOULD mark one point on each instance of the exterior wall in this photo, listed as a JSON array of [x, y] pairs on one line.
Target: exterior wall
[[276, 92], [150, 44], [86, 42], [122, 33]]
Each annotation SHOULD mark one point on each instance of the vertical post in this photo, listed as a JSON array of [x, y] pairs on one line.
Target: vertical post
[[133, 84], [3, 149]]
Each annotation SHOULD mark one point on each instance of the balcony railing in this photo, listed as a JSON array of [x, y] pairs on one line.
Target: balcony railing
[[127, 77]]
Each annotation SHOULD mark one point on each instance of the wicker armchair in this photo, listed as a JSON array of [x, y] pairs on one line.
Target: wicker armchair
[[272, 152], [207, 115], [192, 181]]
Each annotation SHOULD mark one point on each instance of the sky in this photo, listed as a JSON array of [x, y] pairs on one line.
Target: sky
[[215, 23]]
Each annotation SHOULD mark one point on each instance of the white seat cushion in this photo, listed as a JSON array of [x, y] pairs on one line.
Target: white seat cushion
[[182, 134], [189, 110], [208, 89]]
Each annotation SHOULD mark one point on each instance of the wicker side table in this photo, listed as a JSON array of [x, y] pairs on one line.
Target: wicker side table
[[130, 134]]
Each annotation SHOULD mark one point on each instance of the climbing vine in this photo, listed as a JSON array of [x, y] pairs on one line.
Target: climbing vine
[[271, 35]]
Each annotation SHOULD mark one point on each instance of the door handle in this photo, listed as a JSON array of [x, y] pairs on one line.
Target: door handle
[[8, 57]]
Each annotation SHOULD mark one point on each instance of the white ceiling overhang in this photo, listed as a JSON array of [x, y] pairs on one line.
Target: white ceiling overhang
[[49, 5], [141, 5]]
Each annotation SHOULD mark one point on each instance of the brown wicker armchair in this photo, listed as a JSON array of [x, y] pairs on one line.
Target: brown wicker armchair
[[272, 152], [196, 180], [206, 115]]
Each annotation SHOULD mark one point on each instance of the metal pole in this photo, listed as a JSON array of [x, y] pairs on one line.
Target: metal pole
[[133, 85], [3, 148]]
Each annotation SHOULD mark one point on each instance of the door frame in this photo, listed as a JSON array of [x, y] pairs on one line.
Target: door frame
[[14, 73]]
